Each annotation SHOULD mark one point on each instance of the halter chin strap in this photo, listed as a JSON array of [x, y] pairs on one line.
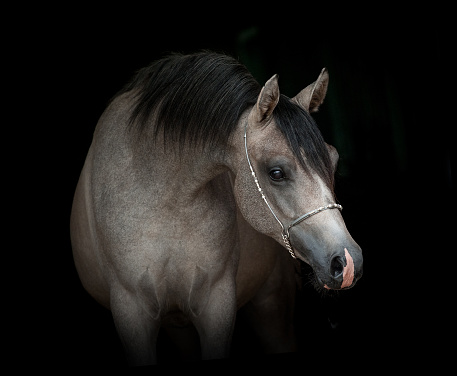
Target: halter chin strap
[[285, 231]]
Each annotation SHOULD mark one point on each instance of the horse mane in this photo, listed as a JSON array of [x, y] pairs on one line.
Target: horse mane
[[195, 99], [199, 98]]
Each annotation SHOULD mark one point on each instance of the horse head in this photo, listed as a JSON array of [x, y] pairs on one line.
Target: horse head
[[284, 183]]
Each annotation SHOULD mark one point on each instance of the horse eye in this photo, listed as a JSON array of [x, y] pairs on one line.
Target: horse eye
[[276, 174]]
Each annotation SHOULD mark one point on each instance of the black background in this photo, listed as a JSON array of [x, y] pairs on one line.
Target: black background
[[385, 111]]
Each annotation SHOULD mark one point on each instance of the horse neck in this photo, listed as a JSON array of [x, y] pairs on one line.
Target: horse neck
[[184, 171]]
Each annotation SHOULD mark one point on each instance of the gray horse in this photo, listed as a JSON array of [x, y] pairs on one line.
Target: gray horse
[[197, 189]]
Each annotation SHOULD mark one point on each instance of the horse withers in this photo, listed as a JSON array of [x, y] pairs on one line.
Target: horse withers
[[199, 191]]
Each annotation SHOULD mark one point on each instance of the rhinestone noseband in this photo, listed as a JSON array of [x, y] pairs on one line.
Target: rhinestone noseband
[[285, 231]]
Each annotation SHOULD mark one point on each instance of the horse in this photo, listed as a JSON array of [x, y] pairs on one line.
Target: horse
[[200, 193]]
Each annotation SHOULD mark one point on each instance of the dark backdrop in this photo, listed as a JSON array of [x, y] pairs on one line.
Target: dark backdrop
[[385, 112]]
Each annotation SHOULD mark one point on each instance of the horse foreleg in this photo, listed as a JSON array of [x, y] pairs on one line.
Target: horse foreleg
[[136, 328], [216, 321]]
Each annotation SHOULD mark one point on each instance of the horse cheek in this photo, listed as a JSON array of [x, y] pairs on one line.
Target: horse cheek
[[251, 205]]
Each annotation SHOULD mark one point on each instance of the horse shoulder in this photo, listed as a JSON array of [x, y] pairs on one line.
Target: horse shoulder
[[86, 253]]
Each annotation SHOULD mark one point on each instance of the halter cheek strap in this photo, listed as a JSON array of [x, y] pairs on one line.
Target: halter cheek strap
[[285, 231]]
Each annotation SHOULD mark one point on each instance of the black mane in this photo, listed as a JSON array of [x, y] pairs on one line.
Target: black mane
[[196, 98], [199, 99]]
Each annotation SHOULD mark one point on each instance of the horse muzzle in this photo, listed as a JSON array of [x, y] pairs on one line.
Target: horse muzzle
[[343, 272]]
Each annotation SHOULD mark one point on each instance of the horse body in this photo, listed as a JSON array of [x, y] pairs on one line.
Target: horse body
[[160, 234]]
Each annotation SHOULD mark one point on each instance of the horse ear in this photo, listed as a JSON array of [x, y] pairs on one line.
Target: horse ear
[[312, 96], [268, 99]]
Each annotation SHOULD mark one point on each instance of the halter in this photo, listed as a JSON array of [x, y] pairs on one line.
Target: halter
[[285, 231]]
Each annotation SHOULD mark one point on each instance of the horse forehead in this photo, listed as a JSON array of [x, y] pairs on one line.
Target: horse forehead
[[269, 141]]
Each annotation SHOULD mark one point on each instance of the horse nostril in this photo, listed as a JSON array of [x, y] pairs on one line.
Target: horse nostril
[[336, 266]]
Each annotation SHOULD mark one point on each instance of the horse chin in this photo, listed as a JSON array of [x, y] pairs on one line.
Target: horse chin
[[307, 270], [320, 285]]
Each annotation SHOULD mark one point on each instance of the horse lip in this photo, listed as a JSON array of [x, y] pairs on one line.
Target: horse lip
[[340, 288], [323, 284], [327, 287], [348, 287]]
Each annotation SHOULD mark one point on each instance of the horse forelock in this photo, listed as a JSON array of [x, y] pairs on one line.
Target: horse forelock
[[304, 139], [196, 99]]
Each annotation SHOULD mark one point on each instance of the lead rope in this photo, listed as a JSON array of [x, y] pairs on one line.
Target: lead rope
[[285, 232]]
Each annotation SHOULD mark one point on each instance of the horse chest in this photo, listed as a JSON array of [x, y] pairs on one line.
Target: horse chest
[[173, 261]]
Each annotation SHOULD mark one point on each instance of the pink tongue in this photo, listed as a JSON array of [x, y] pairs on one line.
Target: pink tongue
[[348, 271]]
